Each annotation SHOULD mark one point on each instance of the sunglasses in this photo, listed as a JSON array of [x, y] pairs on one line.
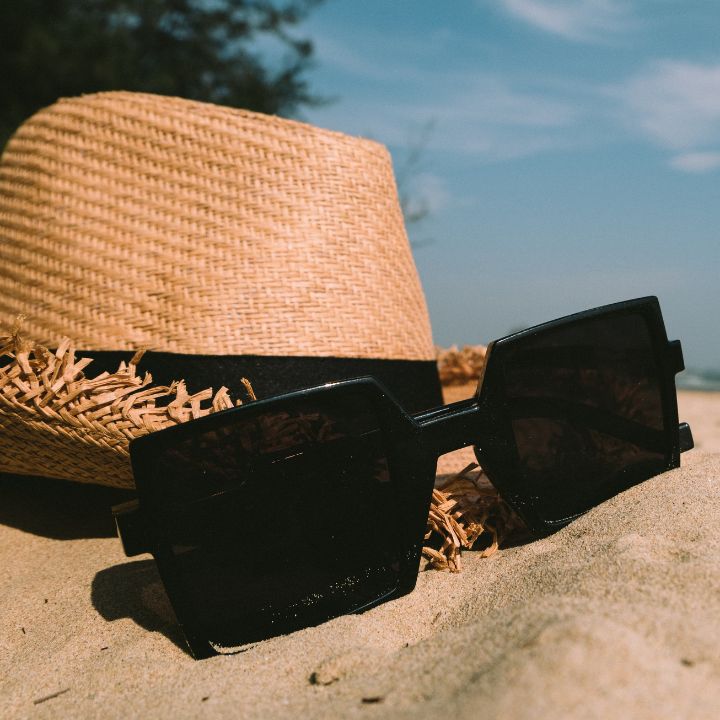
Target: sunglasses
[[286, 512]]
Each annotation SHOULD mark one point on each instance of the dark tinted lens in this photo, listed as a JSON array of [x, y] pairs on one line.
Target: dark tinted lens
[[281, 519], [585, 407]]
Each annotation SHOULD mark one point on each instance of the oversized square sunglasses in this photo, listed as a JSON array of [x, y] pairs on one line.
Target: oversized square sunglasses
[[289, 511]]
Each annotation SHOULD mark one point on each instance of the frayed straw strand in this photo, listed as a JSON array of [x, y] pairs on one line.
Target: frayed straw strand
[[464, 510], [49, 391]]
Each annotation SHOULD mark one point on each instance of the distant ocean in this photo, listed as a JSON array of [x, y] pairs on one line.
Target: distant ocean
[[691, 379]]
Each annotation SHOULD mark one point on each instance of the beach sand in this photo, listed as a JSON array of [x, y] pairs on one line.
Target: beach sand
[[616, 615]]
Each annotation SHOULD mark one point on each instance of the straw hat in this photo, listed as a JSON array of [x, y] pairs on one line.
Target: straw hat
[[225, 243]]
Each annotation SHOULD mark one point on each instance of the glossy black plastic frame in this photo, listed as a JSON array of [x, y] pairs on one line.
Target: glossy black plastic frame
[[496, 452], [411, 469], [413, 444]]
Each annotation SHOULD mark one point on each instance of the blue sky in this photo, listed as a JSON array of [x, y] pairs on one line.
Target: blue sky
[[571, 151]]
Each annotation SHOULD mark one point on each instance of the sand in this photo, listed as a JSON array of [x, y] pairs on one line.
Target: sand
[[617, 615]]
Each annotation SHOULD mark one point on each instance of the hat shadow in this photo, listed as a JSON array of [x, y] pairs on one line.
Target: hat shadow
[[134, 590], [58, 509], [63, 510]]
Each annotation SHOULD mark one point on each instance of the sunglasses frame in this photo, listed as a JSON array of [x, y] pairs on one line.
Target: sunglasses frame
[[412, 470], [498, 455], [412, 443]]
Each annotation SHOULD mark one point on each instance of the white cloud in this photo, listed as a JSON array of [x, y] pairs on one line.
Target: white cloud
[[675, 103], [578, 20], [491, 100], [696, 162], [480, 114]]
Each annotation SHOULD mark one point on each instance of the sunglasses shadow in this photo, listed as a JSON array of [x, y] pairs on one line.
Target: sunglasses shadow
[[58, 509], [135, 590]]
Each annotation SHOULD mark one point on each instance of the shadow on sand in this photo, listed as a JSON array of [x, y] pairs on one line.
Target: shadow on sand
[[134, 590], [58, 509]]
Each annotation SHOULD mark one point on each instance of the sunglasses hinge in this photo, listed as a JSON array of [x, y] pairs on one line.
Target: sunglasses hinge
[[676, 356], [686, 437], [131, 528]]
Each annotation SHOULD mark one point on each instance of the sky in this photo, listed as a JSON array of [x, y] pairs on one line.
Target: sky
[[567, 152]]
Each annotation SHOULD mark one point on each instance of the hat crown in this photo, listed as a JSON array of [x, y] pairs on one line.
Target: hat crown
[[132, 220]]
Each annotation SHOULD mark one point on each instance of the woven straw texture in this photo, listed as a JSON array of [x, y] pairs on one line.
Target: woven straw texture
[[130, 220], [57, 422]]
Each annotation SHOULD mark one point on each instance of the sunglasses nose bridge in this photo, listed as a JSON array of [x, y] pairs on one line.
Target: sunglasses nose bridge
[[455, 426]]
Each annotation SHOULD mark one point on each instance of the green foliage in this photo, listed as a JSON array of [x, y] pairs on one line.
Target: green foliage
[[198, 49]]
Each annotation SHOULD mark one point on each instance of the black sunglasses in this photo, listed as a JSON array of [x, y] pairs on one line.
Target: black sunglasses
[[286, 512]]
